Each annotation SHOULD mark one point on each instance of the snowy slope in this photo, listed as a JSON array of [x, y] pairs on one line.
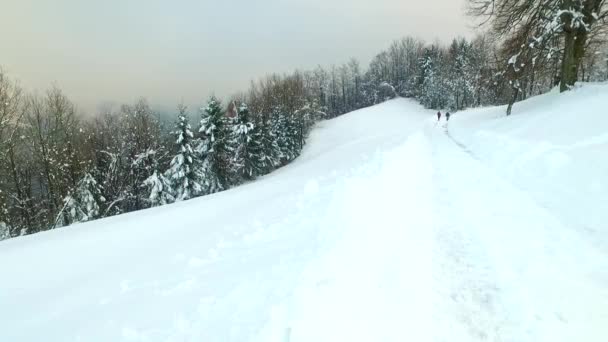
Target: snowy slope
[[553, 147], [389, 227]]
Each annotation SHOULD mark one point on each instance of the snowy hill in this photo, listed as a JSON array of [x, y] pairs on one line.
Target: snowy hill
[[389, 227]]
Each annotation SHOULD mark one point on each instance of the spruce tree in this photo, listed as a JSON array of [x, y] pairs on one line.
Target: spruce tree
[[433, 90], [212, 148], [259, 160], [285, 132], [182, 172], [238, 146]]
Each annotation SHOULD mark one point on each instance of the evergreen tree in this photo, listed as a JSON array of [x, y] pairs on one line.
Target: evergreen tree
[[285, 133], [238, 146], [212, 147], [84, 203], [259, 159], [160, 189], [182, 173], [432, 90]]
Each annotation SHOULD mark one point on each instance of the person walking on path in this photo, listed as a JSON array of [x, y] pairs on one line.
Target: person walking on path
[[438, 116], [447, 116]]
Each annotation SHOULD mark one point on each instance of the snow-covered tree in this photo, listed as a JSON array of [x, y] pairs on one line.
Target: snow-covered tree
[[286, 134], [4, 231], [83, 204], [460, 75], [385, 91], [182, 172], [211, 148], [527, 29], [11, 102], [432, 92], [140, 133], [158, 186], [262, 150], [238, 146], [160, 189]]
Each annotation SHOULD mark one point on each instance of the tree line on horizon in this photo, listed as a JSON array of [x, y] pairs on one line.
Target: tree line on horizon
[[58, 167]]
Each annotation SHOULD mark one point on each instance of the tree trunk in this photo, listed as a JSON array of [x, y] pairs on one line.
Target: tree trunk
[[21, 197], [344, 109], [574, 51], [532, 80], [515, 92], [569, 68], [575, 39]]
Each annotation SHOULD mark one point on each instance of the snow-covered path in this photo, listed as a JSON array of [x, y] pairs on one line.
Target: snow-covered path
[[399, 232], [451, 253]]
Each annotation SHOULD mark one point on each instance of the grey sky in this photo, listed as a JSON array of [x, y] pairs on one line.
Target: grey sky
[[118, 50]]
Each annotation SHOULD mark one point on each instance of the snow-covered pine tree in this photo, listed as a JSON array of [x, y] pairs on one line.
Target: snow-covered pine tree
[[461, 76], [160, 189], [286, 135], [182, 172], [238, 146], [83, 204], [262, 147], [211, 148], [427, 71], [432, 90]]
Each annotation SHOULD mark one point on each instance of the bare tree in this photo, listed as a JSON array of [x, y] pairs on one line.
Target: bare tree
[[534, 23]]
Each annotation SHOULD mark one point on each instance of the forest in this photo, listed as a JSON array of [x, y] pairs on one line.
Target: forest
[[59, 166]]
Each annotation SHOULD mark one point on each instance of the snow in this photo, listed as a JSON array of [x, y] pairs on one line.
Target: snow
[[553, 148], [389, 227]]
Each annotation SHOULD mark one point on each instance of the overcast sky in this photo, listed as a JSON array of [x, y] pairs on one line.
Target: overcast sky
[[119, 50]]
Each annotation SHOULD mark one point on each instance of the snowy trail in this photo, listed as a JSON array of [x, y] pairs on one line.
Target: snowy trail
[[398, 232], [373, 283], [443, 258]]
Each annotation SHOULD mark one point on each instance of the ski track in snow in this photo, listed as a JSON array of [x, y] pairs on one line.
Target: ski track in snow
[[398, 232]]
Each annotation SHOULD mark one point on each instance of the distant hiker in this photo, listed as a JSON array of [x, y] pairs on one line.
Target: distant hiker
[[447, 116], [438, 116]]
